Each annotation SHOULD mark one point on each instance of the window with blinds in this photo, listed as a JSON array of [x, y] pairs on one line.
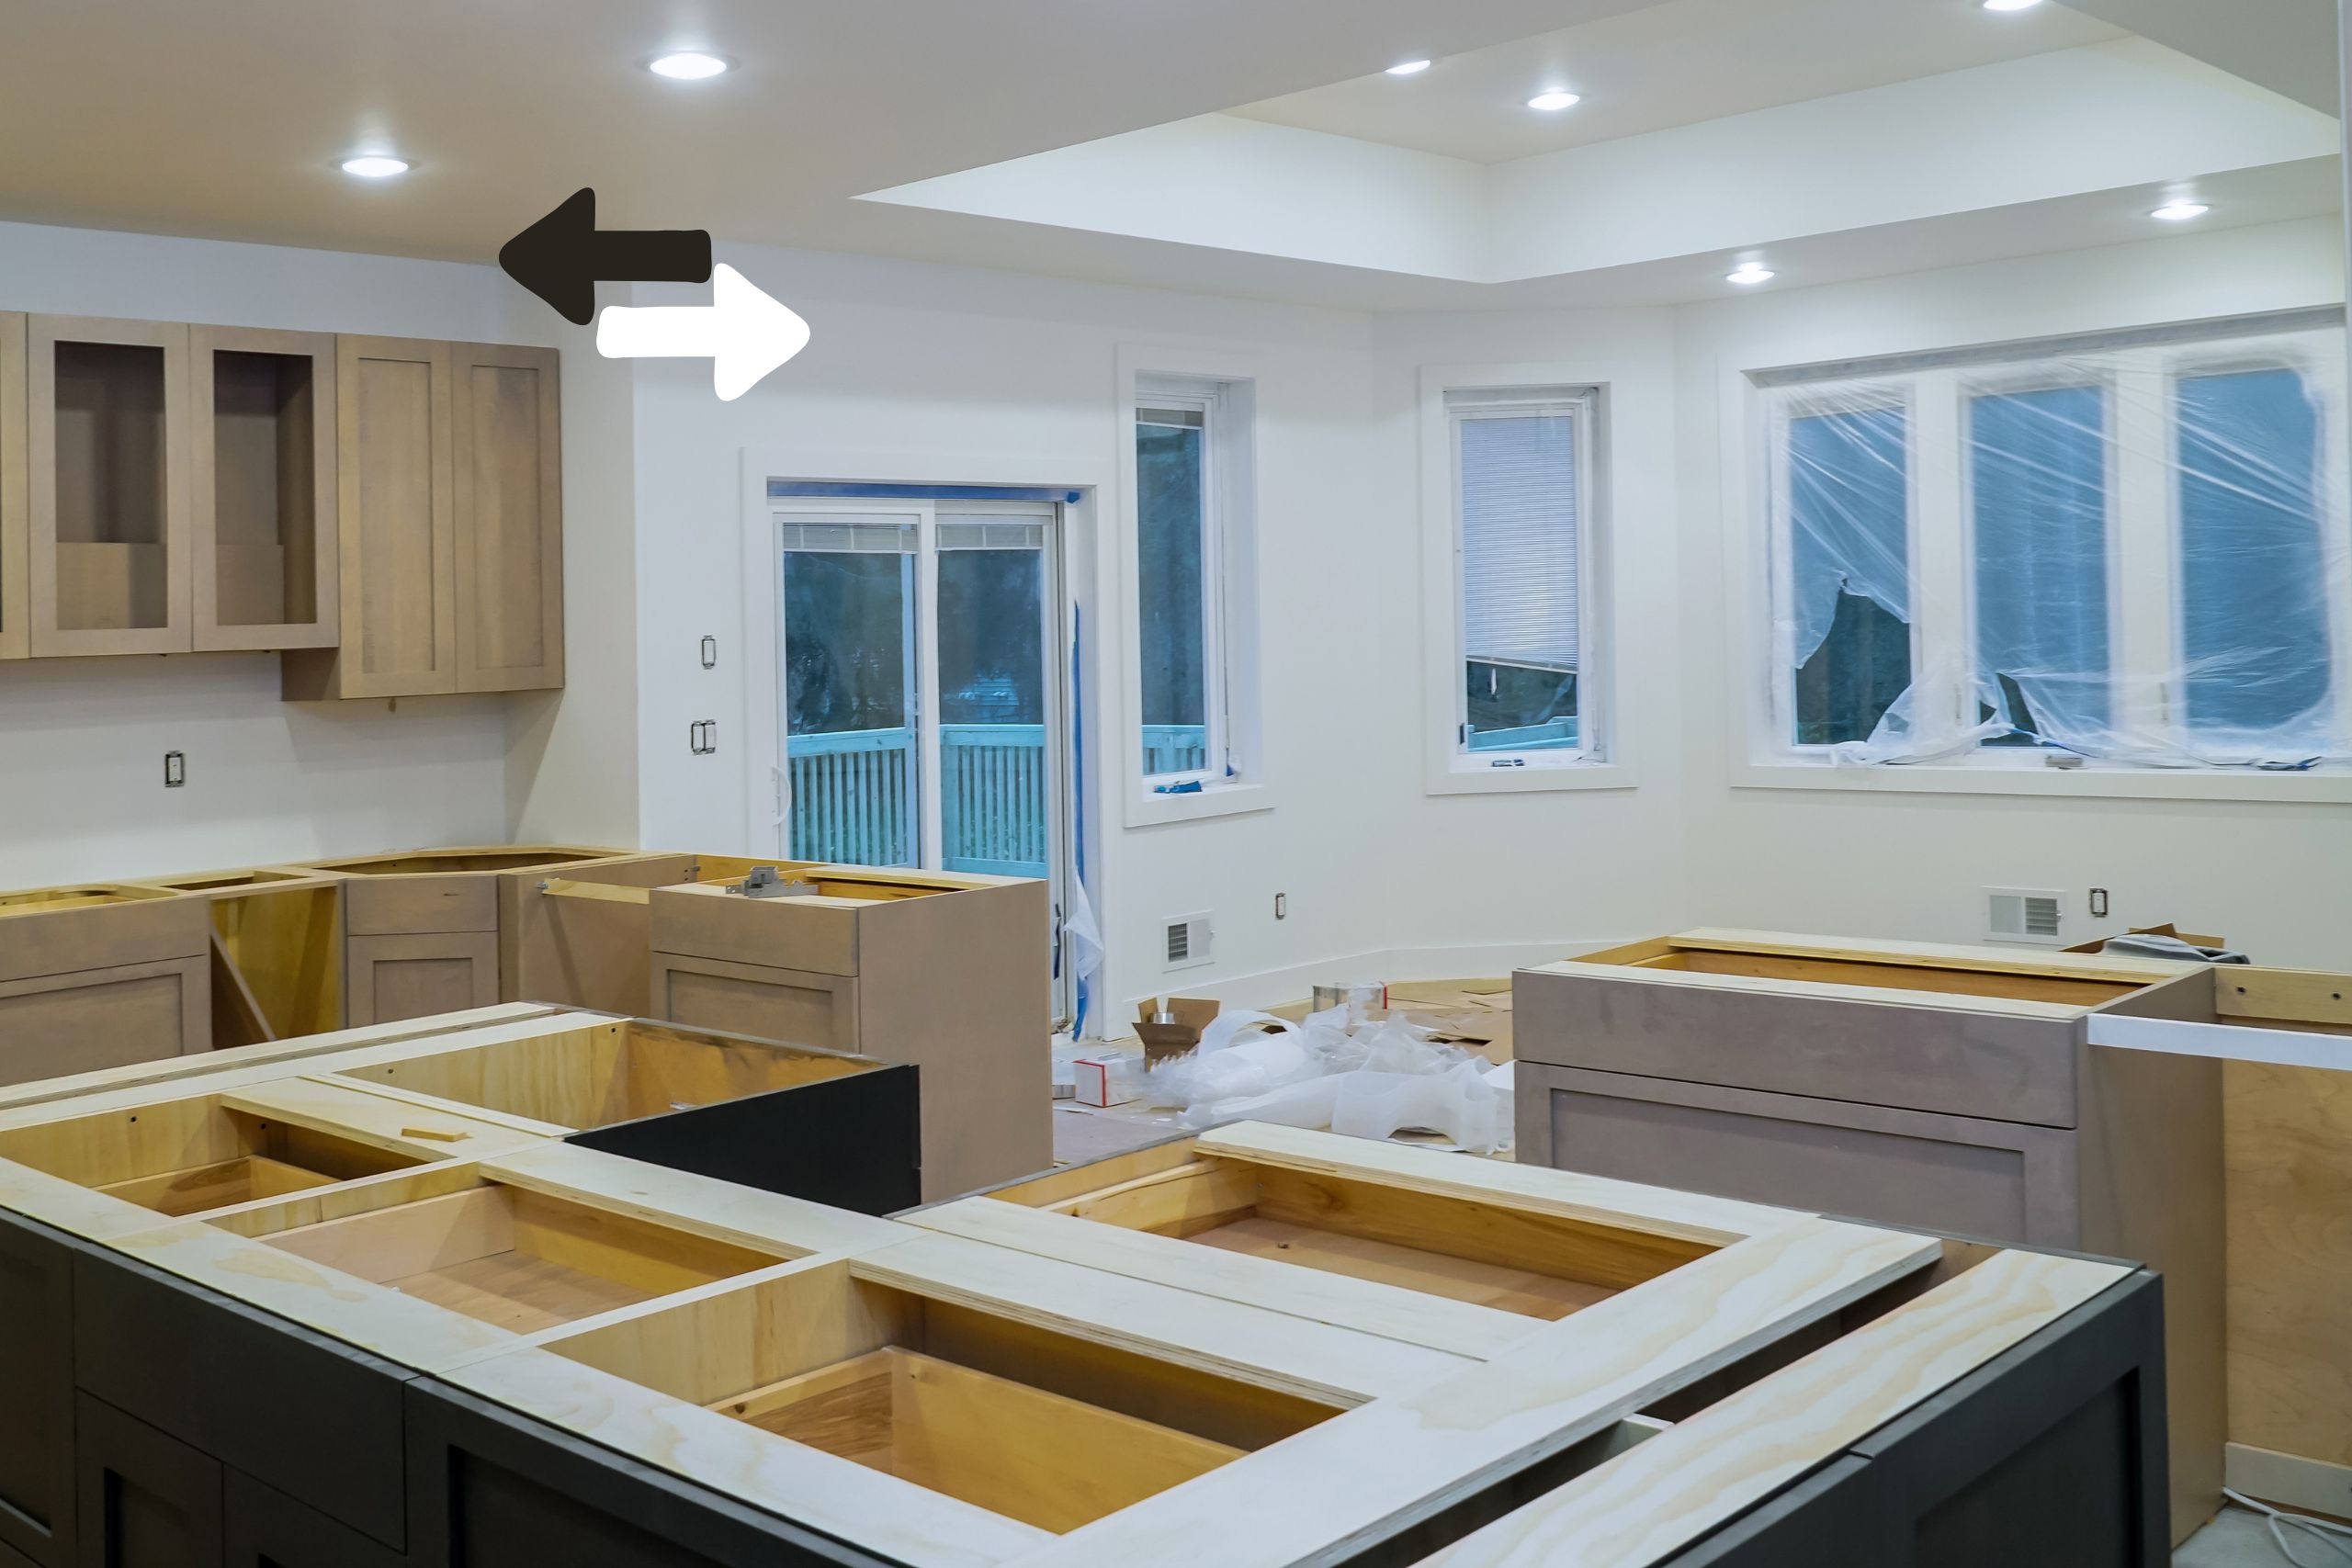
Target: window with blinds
[[1522, 467]]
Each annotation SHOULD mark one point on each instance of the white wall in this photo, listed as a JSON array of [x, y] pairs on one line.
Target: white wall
[[81, 775], [920, 364], [2270, 876]]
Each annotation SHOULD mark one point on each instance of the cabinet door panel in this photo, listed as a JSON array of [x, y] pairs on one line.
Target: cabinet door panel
[[509, 472], [262, 451], [147, 1500], [15, 601], [1994, 1180], [389, 978], [36, 1393], [790, 1005], [107, 469], [58, 1024], [262, 1528], [397, 511]]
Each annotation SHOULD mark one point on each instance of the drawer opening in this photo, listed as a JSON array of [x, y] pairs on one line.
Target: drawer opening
[[191, 1156], [2063, 990], [522, 1260], [611, 1073], [1035, 1425], [1516, 1259]]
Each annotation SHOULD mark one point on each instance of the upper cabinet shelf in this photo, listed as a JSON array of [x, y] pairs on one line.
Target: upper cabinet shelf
[[387, 512]]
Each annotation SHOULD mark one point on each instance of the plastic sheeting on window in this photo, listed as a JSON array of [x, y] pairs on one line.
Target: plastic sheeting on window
[[2136, 555]]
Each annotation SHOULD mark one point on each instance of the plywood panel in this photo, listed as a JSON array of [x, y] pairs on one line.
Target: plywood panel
[[2288, 1138]]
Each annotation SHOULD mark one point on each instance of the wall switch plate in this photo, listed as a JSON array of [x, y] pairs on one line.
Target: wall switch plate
[[2098, 903], [175, 770]]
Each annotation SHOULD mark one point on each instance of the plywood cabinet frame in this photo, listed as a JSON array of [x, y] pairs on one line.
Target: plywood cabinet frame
[[323, 631], [43, 334], [15, 599]]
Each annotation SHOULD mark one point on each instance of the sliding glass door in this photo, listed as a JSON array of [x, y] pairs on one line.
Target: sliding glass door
[[920, 685]]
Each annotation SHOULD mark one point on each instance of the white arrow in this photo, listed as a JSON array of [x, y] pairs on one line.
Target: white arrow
[[742, 332]]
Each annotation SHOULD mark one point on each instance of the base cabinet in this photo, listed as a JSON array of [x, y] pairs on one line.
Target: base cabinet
[[37, 1513], [147, 1500]]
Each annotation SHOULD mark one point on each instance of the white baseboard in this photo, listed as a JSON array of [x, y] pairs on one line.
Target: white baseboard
[[1273, 988], [2288, 1480]]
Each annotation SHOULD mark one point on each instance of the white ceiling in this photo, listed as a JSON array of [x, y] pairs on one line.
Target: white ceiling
[[1677, 63], [195, 116], [178, 117]]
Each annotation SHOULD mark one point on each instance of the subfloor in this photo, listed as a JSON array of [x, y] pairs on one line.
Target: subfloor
[[2241, 1540], [2236, 1539]]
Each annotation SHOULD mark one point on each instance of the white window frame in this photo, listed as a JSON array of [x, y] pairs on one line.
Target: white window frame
[[2144, 605], [1235, 779], [1597, 761]]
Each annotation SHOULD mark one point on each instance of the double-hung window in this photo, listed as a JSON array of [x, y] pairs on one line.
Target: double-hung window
[[2127, 550], [1523, 504], [1192, 464]]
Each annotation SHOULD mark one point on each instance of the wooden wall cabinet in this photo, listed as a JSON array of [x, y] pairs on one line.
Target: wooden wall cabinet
[[450, 506], [107, 454], [262, 422], [15, 602]]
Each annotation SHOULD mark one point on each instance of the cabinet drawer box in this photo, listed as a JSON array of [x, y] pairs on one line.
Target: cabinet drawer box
[[419, 906], [796, 1007], [1952, 1060], [1949, 1174], [60, 929], [708, 921], [318, 1420]]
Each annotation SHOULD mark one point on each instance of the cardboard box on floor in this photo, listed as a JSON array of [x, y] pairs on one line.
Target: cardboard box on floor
[[1161, 1041]]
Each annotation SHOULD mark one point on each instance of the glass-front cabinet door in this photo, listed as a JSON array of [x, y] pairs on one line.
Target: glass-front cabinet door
[[108, 463], [262, 420]]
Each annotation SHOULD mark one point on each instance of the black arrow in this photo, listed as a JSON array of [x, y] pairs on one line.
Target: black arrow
[[564, 256]]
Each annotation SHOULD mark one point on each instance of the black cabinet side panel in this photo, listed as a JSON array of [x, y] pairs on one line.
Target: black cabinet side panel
[[36, 1392], [316, 1419], [853, 1142], [495, 1490]]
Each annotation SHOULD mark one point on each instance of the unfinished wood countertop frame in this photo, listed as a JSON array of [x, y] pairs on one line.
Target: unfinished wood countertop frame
[[1419, 1427]]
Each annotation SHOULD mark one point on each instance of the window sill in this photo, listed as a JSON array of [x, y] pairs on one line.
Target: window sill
[[2321, 784], [1451, 777], [1218, 800]]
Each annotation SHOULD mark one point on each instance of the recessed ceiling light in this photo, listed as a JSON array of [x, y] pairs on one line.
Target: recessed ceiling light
[[1552, 100], [2011, 5], [688, 65], [1748, 274], [375, 166], [1409, 68], [2180, 212]]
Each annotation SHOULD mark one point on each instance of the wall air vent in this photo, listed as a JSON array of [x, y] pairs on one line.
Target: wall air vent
[[1188, 941], [2020, 915]]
